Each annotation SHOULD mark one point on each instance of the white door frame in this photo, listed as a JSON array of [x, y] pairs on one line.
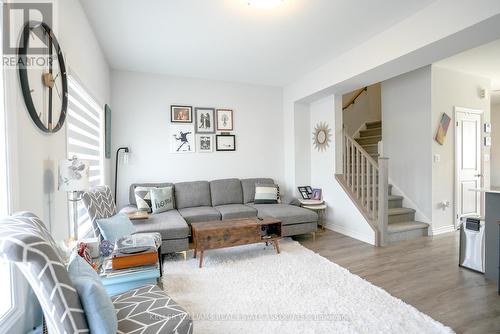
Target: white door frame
[[457, 167]]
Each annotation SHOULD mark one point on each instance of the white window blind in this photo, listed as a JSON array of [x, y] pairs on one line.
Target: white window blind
[[85, 139]]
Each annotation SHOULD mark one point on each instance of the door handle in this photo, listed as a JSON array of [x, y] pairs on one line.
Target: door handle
[[478, 175]]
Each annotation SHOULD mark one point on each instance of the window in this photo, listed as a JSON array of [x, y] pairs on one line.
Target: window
[[85, 139], [5, 289]]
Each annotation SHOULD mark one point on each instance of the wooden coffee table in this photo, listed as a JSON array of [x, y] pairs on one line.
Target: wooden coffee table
[[234, 232]]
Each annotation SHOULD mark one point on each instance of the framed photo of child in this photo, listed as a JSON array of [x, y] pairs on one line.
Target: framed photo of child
[[316, 194]]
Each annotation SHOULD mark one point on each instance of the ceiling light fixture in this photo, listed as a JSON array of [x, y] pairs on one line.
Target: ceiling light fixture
[[264, 3]]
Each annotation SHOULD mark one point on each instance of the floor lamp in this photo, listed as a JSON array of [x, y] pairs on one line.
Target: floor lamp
[[74, 178], [125, 161]]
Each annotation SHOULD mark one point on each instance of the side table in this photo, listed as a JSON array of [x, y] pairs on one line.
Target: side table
[[116, 282], [320, 209]]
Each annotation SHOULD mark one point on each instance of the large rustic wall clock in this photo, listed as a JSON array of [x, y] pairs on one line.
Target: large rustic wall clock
[[43, 77]]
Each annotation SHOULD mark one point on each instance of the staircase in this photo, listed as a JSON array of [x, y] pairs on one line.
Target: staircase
[[369, 137], [365, 179]]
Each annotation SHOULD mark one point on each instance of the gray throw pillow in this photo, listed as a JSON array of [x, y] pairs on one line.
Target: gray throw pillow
[[162, 199]]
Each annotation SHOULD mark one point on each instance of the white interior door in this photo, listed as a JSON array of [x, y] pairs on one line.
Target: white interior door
[[468, 163]]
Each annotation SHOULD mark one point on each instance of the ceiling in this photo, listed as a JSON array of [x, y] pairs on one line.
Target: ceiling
[[230, 40], [483, 61]]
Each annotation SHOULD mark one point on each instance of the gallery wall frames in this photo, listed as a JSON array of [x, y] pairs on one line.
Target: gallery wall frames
[[225, 142], [197, 136]]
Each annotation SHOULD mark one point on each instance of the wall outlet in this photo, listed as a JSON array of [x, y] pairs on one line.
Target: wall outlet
[[437, 158]]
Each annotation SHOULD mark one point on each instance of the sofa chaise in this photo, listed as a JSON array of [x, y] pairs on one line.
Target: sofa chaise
[[216, 200]]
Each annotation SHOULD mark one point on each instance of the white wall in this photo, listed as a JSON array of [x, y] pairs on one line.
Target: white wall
[[449, 89], [342, 215], [34, 155], [495, 145], [141, 120], [407, 133], [303, 135], [367, 108]]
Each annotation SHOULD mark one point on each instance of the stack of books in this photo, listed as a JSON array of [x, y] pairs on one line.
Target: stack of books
[[132, 253]]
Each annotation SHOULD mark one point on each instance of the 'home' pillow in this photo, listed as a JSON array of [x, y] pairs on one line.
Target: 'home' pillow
[[162, 199], [266, 194]]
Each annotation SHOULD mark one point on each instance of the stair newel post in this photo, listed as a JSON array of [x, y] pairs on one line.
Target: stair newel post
[[383, 200]]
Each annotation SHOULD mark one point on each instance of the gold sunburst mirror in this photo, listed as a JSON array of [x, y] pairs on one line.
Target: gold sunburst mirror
[[321, 136]]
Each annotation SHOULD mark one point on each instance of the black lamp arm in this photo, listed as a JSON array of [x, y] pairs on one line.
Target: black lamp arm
[[125, 149]]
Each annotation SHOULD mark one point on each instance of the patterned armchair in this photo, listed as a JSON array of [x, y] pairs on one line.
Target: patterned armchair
[[25, 241], [99, 203]]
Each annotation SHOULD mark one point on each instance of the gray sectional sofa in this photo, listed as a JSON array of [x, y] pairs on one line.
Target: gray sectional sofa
[[219, 199]]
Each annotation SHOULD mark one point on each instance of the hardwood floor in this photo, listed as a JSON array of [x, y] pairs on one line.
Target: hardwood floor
[[422, 272]]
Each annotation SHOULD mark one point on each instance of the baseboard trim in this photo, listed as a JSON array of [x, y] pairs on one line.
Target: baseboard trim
[[369, 239], [443, 229]]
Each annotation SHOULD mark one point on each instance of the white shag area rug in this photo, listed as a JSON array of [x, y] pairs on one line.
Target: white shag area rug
[[251, 289]]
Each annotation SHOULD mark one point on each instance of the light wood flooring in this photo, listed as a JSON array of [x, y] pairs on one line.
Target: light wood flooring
[[422, 272]]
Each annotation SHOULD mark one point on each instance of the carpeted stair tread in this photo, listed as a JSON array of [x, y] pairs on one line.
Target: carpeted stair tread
[[406, 226], [374, 124], [400, 211]]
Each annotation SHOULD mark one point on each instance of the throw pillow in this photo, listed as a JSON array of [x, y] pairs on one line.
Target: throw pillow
[[162, 199], [115, 227], [143, 198], [99, 310], [266, 194]]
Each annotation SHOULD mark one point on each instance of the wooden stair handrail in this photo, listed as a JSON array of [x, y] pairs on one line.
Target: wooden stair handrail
[[353, 100]]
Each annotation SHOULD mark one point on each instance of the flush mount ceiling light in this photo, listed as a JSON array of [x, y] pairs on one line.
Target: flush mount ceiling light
[[264, 3]]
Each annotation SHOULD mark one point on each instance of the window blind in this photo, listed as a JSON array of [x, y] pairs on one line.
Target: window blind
[[85, 140]]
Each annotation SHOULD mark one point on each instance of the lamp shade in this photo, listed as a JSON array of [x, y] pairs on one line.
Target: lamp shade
[[73, 174]]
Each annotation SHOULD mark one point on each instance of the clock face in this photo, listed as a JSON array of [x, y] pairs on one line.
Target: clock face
[[43, 77]]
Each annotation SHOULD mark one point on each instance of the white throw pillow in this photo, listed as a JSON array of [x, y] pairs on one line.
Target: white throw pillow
[[162, 199]]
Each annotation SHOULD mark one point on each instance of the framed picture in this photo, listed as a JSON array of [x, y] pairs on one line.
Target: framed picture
[[224, 120], [305, 192], [205, 143], [182, 140], [181, 114], [316, 194], [204, 120], [443, 129], [225, 143]]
